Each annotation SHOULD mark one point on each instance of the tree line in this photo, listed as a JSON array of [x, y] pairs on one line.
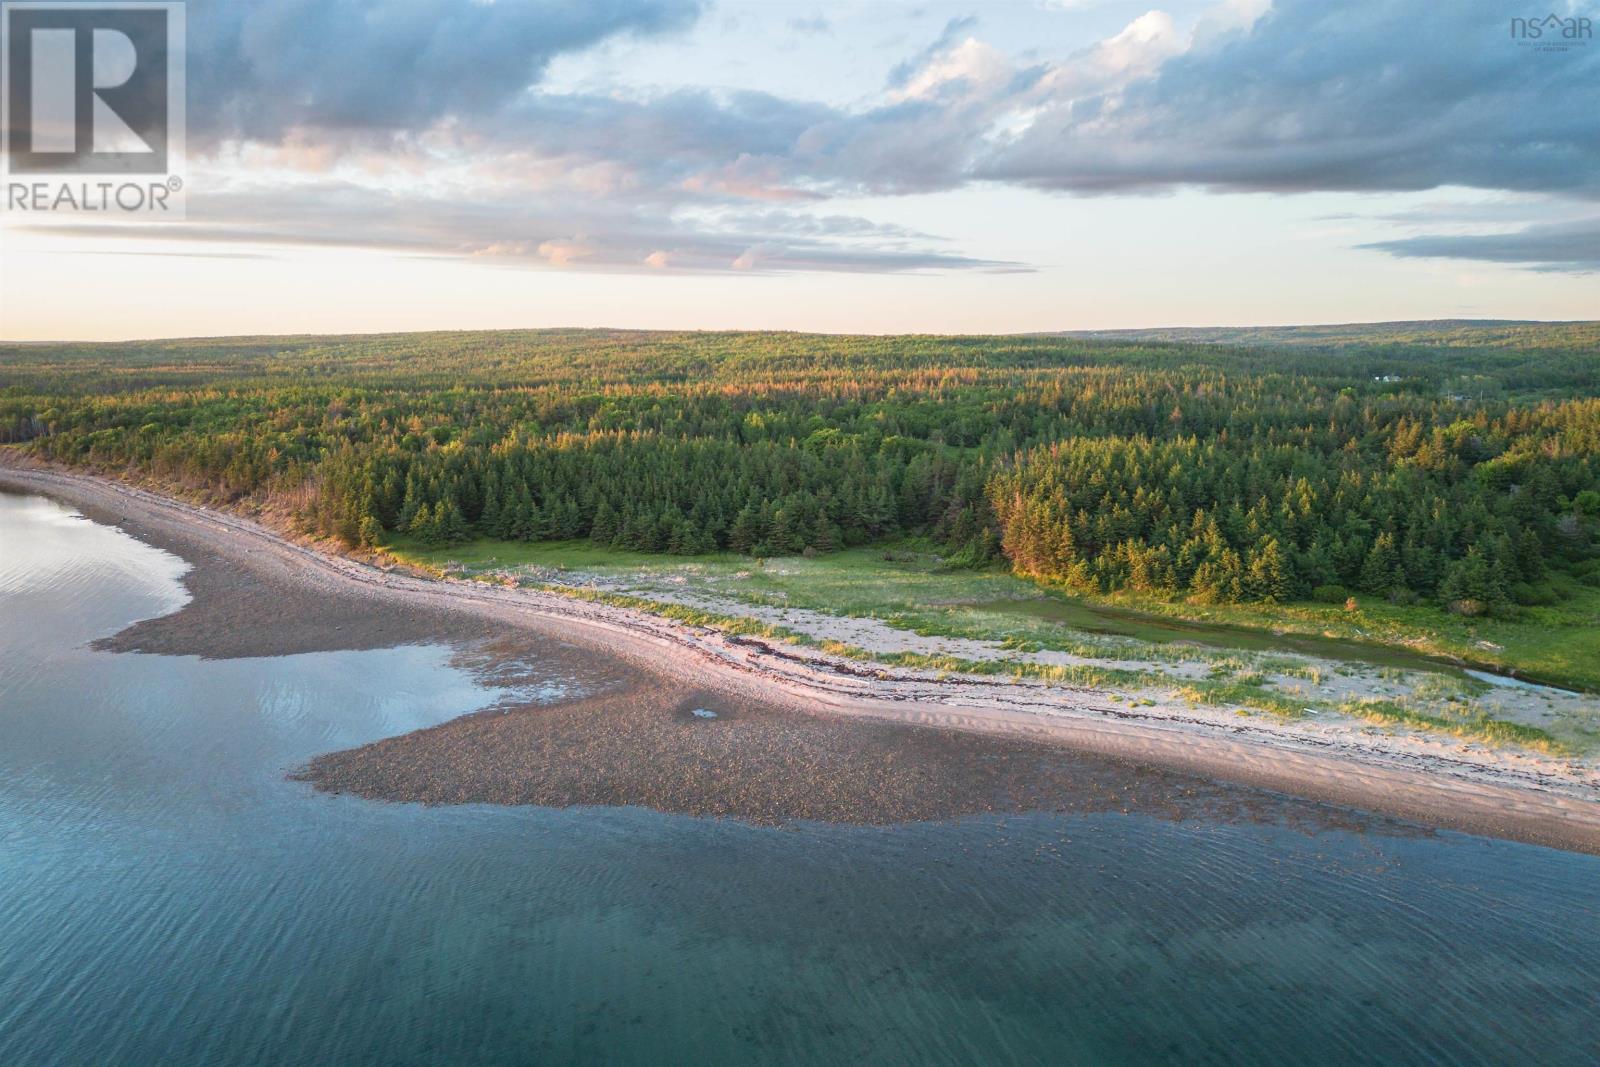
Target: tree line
[[1219, 472]]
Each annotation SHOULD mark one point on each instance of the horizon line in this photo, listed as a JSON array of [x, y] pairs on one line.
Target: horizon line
[[1090, 332]]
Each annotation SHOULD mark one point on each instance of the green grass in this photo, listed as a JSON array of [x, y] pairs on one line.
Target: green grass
[[911, 591], [556, 555], [905, 586], [1557, 644], [1469, 724], [728, 624], [1081, 676], [1084, 676], [1248, 692]]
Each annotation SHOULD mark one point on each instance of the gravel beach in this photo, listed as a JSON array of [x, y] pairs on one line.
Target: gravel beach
[[796, 735]]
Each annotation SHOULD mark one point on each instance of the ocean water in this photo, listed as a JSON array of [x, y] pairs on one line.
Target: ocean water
[[168, 896]]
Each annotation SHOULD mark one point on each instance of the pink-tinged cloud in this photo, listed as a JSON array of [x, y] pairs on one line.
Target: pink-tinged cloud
[[565, 250]]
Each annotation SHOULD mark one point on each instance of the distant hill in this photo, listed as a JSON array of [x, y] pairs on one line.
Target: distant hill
[[1434, 332]]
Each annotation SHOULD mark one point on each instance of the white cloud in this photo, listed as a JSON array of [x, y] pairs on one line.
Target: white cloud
[[971, 67], [565, 250], [1301, 96]]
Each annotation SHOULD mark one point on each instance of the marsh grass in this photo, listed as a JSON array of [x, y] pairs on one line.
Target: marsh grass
[[1240, 692], [1074, 675], [910, 591], [1470, 723], [739, 626], [908, 586], [1558, 644]]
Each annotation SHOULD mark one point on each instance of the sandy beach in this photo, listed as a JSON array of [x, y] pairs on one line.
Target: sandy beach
[[259, 592]]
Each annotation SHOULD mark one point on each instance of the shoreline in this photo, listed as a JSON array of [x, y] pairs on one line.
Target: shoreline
[[1526, 804]]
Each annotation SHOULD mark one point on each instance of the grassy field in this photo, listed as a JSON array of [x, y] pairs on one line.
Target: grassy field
[[1558, 644], [905, 586], [1223, 657]]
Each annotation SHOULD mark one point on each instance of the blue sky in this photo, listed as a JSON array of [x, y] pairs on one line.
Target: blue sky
[[410, 164]]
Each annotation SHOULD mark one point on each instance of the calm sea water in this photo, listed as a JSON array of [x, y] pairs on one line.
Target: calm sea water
[[166, 896]]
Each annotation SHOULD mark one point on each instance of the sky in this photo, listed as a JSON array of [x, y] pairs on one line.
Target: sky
[[374, 165]]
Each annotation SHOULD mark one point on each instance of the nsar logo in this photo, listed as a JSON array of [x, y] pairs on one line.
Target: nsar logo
[[1553, 33]]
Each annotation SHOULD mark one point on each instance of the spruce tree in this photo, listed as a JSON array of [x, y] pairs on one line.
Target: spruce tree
[[450, 524]]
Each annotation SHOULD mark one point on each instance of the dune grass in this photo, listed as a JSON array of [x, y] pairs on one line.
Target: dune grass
[[907, 586], [1556, 644], [1469, 724]]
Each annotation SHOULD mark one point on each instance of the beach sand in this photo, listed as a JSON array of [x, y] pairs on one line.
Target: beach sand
[[798, 735]]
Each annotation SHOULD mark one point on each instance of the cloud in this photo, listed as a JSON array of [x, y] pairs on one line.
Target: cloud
[[565, 251], [968, 67], [955, 30], [259, 69], [1365, 95], [1305, 96], [1565, 247], [422, 125], [815, 24], [748, 178], [1372, 95], [574, 234], [1498, 211], [1369, 95], [690, 141]]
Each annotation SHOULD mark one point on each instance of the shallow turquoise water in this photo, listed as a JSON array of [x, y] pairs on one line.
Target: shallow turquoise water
[[166, 896]]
